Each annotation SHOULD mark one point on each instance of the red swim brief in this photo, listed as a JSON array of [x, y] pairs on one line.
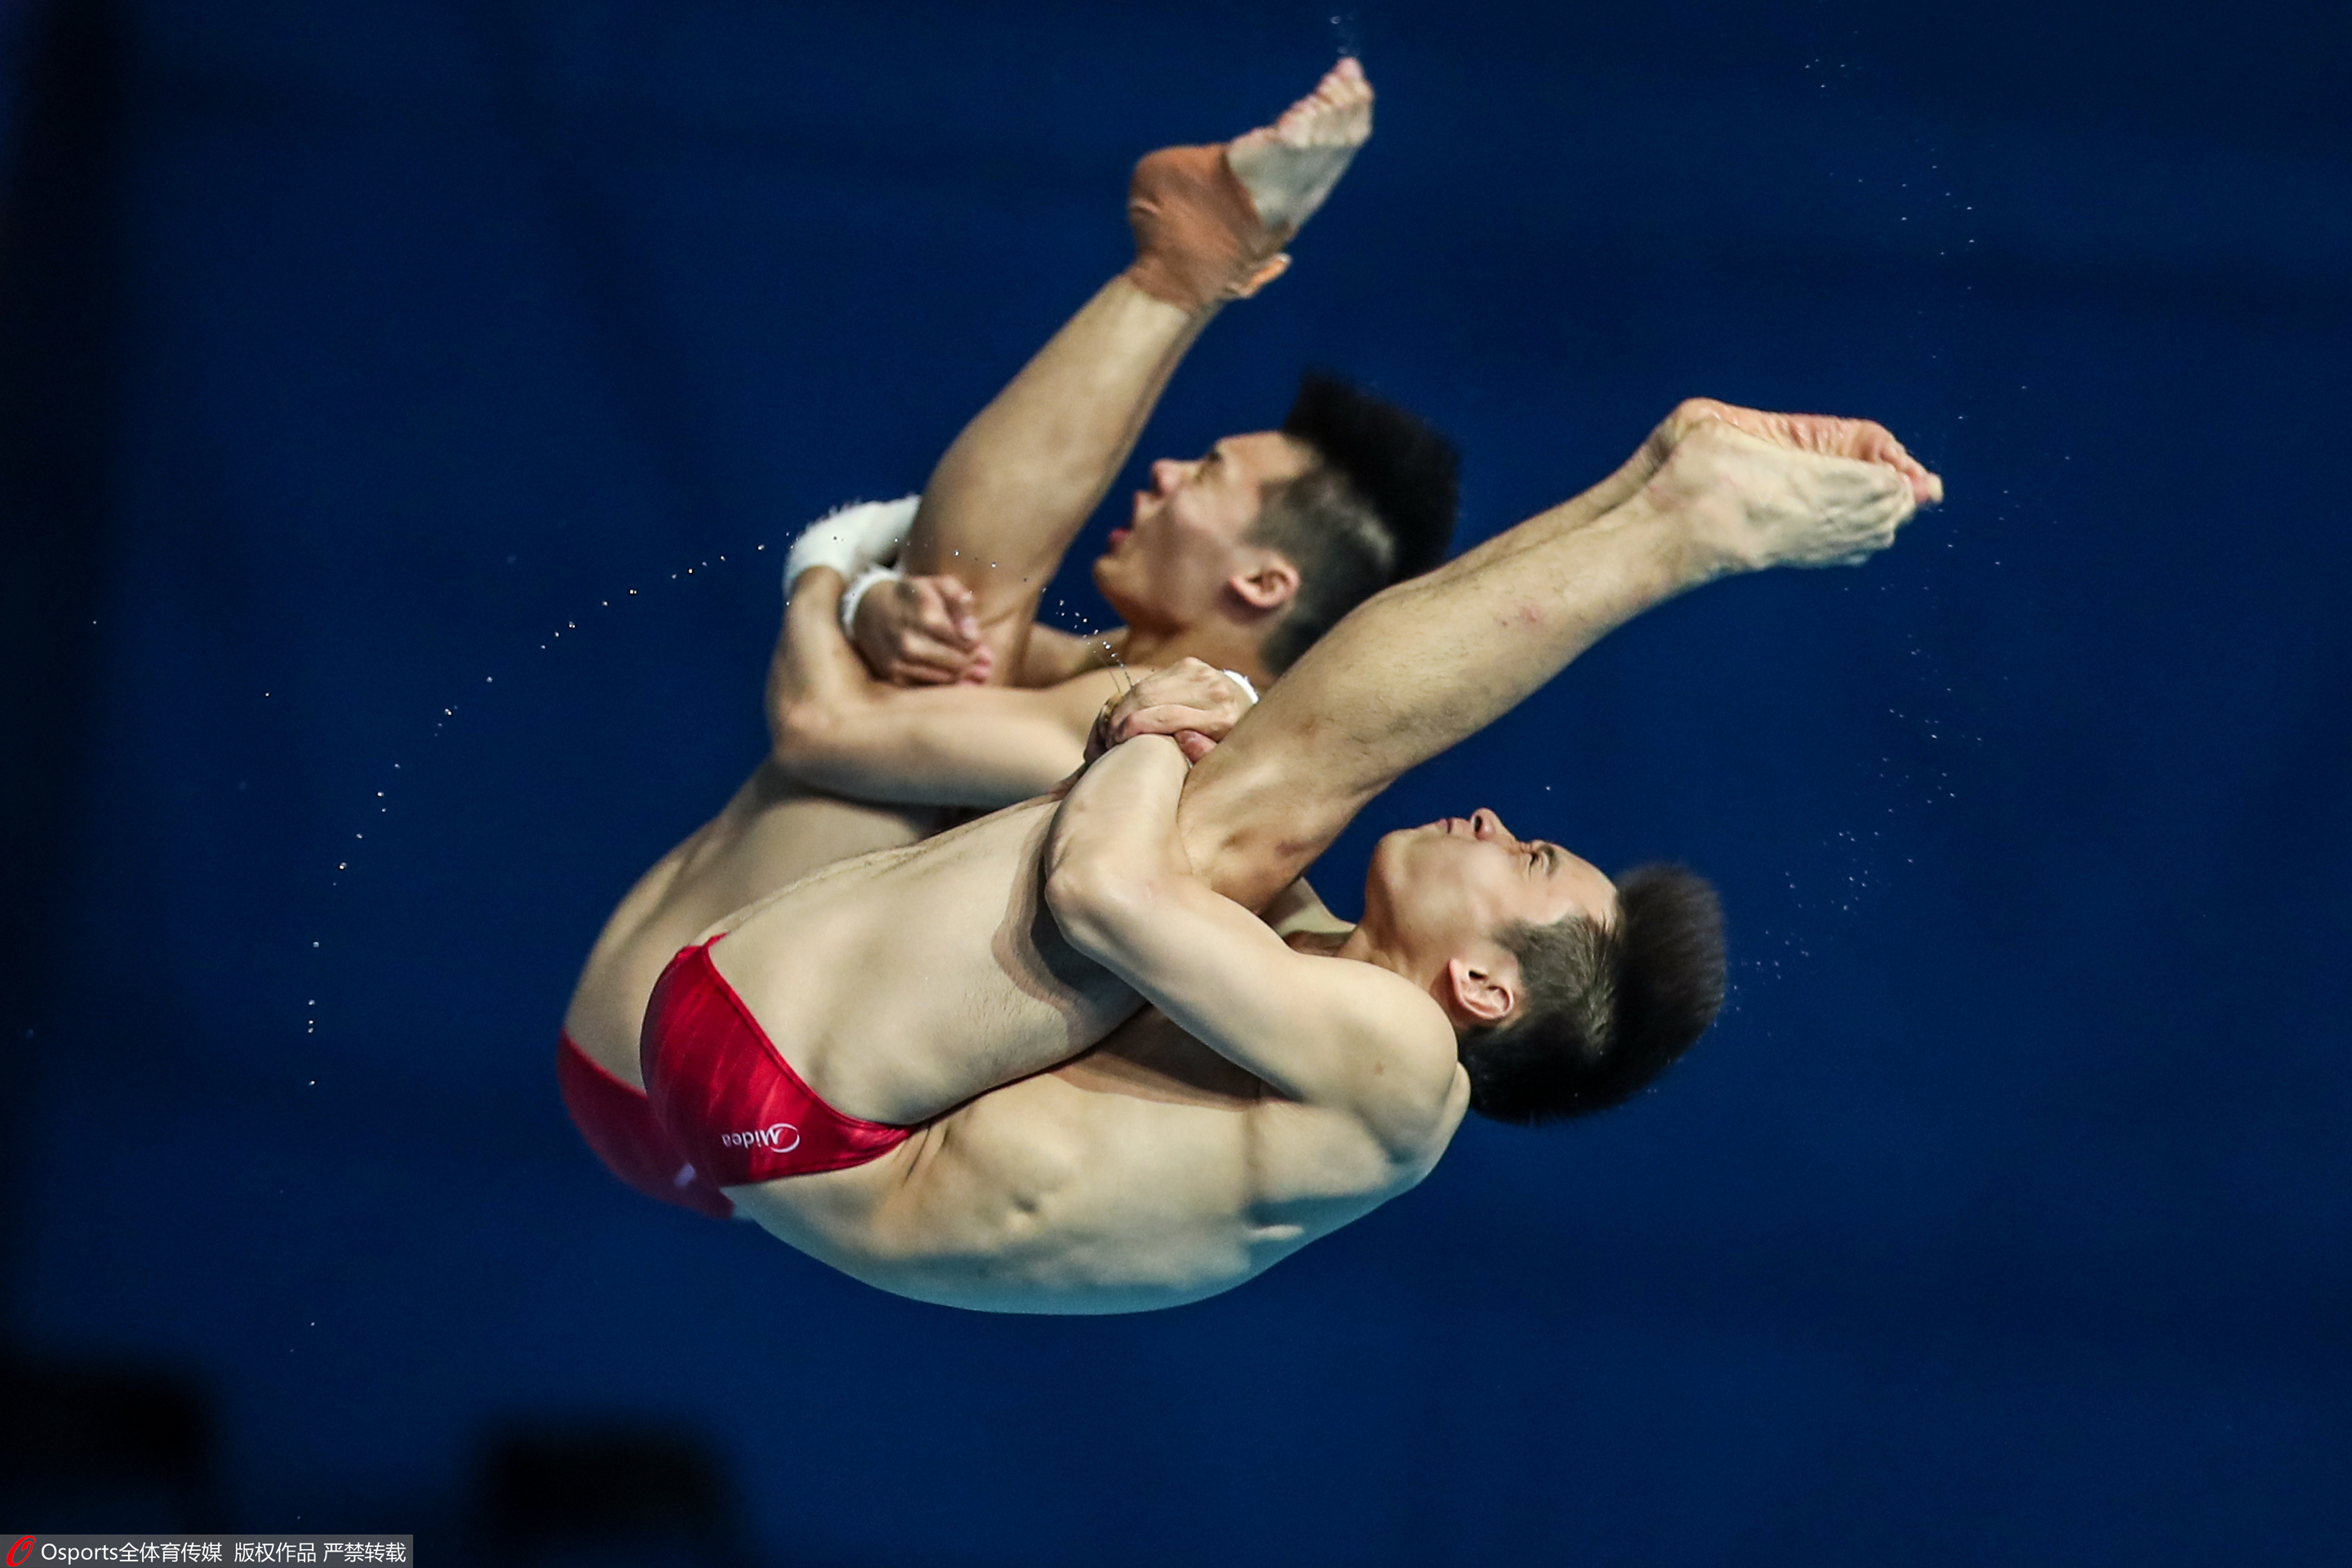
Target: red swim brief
[[618, 1122], [725, 1094]]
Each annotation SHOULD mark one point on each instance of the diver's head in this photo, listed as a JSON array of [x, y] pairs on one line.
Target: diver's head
[[1186, 557], [1569, 993], [1278, 534]]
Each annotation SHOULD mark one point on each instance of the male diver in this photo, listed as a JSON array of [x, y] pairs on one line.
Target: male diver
[[1057, 1061], [1241, 559]]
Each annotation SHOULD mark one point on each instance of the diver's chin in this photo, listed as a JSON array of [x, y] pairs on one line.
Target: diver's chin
[[1405, 859], [1106, 577], [1390, 845]]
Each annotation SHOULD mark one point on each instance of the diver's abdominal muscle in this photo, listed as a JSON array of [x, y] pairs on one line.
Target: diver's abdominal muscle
[[1036, 1200]]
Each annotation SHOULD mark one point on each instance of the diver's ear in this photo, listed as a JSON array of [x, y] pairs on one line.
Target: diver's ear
[[1265, 581], [1481, 993]]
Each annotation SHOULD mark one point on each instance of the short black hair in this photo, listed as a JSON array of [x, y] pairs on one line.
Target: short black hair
[[1607, 1007], [1378, 506]]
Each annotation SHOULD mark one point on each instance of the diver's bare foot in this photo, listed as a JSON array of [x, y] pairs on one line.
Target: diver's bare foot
[[1210, 221], [1289, 167], [1796, 490], [1865, 440]]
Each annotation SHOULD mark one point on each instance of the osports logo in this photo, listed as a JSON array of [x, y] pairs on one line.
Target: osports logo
[[21, 1554], [772, 1138]]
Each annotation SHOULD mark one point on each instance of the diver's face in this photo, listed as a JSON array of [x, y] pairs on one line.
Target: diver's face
[[1168, 568], [1444, 889]]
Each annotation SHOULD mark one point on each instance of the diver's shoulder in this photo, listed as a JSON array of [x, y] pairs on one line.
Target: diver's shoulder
[[1389, 1065]]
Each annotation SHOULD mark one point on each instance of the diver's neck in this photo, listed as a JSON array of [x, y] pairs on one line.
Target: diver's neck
[[1218, 643], [1320, 944], [1365, 945]]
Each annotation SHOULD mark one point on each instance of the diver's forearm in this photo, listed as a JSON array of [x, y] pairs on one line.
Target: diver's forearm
[[1114, 848]]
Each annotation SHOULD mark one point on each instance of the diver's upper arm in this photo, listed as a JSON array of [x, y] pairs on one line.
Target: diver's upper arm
[[1326, 1031], [960, 745]]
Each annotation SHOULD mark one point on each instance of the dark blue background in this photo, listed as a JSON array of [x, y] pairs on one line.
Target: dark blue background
[[358, 350]]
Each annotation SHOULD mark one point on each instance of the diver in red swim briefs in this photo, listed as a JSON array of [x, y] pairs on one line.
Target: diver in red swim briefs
[[1068, 1148], [1241, 558], [1096, 1052]]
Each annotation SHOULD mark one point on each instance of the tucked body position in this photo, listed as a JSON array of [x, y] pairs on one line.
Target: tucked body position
[[951, 696], [1096, 1053]]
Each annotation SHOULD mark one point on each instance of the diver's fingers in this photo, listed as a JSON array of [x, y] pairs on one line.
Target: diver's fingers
[[1165, 718]]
